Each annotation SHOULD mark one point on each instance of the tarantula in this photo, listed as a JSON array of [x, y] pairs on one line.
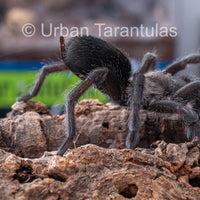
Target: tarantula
[[99, 63]]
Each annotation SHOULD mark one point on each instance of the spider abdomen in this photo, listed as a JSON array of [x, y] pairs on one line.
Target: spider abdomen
[[87, 53]]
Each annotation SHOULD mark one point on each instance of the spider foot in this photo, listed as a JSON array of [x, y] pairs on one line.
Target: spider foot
[[187, 115], [132, 139], [195, 141], [24, 98], [65, 146]]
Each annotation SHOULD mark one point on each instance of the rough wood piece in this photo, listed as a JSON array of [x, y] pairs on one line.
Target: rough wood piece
[[21, 107], [29, 129], [92, 172]]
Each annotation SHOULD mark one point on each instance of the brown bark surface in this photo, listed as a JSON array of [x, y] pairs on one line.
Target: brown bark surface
[[162, 170], [29, 129], [90, 172]]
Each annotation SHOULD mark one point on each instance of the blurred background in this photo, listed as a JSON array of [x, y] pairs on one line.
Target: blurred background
[[21, 57]]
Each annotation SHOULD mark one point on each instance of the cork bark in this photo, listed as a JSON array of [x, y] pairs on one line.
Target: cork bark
[[30, 130], [98, 166]]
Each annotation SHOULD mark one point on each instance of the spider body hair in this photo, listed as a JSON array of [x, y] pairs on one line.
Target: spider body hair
[[87, 53]]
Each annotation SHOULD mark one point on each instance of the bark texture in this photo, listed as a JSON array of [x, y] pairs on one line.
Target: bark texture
[[155, 170], [166, 171], [29, 129]]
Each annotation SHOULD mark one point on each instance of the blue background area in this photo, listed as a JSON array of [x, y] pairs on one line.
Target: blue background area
[[20, 65], [36, 65], [163, 64]]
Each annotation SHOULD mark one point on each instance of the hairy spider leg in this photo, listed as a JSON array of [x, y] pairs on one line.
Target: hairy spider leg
[[148, 63], [136, 98], [137, 86], [182, 64], [46, 69], [188, 90], [97, 76], [187, 115]]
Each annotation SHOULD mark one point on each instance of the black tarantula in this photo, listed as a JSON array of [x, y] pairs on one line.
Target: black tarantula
[[100, 64]]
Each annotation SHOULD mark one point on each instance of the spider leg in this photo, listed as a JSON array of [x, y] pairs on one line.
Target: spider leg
[[95, 77], [148, 63], [137, 85], [188, 90], [187, 115], [182, 64], [136, 98], [46, 69]]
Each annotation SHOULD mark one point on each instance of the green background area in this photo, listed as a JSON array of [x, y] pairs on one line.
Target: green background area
[[54, 90]]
